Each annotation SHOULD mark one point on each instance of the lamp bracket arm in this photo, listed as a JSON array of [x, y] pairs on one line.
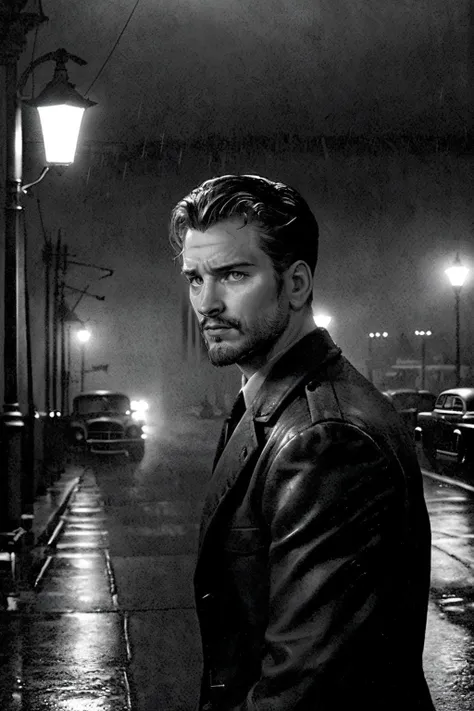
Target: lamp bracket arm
[[25, 188], [85, 292], [93, 266]]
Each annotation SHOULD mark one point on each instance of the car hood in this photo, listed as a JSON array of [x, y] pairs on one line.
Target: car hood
[[118, 419]]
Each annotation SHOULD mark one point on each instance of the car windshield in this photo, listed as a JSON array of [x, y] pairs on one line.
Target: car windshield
[[87, 404], [405, 401]]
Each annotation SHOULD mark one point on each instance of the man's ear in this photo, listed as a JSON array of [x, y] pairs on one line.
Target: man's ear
[[298, 284]]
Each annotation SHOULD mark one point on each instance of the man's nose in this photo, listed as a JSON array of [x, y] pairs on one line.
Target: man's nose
[[210, 301]]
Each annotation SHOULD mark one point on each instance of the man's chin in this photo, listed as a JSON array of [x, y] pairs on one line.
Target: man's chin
[[222, 355]]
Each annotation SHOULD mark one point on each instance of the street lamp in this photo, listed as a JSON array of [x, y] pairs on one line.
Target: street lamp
[[457, 275], [15, 437], [61, 109], [83, 336], [423, 335], [373, 335], [322, 320]]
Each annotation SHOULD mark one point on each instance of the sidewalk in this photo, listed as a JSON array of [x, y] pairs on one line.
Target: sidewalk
[[62, 639], [48, 509]]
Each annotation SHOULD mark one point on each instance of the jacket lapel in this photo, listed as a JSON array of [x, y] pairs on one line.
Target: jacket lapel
[[302, 362], [234, 457]]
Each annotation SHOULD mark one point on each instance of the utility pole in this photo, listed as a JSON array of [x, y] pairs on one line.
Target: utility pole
[[457, 300], [29, 479], [62, 316], [56, 295], [47, 261]]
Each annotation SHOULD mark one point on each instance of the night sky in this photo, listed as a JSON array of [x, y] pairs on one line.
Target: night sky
[[363, 105]]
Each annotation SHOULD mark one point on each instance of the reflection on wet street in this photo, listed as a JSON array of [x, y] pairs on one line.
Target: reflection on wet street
[[64, 649], [451, 506], [449, 650]]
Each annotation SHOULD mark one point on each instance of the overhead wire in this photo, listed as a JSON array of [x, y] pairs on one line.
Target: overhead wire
[[114, 47], [33, 57]]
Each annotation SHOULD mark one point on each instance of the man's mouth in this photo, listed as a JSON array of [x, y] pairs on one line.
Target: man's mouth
[[216, 330]]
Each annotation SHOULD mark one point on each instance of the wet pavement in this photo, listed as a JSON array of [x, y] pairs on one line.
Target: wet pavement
[[449, 649], [108, 620], [64, 646]]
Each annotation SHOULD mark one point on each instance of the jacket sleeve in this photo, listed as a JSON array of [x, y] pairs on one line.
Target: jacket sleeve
[[332, 503]]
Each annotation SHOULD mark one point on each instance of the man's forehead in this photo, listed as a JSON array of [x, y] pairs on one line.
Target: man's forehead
[[225, 241]]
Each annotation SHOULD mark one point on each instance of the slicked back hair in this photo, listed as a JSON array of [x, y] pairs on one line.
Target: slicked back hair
[[287, 228]]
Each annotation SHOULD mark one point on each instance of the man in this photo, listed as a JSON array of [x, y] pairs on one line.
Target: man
[[313, 568]]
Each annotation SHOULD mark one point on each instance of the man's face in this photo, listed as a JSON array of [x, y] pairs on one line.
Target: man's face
[[234, 293]]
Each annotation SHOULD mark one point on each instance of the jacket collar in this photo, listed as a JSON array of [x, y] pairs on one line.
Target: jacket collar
[[295, 365]]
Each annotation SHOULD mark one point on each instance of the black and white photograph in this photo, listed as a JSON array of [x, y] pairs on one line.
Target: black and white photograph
[[237, 355]]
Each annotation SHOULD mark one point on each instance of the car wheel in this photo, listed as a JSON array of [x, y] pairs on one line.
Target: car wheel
[[137, 451]]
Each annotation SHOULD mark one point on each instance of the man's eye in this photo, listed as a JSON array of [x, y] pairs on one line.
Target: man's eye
[[195, 280], [236, 276]]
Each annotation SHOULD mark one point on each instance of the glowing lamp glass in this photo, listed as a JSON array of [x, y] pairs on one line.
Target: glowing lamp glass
[[60, 125], [457, 274], [83, 335]]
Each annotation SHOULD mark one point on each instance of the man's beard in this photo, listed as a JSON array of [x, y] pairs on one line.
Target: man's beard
[[265, 332]]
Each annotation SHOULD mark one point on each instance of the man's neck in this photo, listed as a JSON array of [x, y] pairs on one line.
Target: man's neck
[[293, 333]]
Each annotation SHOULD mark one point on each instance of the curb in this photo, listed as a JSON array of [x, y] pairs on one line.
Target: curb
[[40, 545], [43, 537]]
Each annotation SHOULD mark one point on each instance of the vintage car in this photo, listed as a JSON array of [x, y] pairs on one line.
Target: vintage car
[[448, 430], [104, 422], [409, 402]]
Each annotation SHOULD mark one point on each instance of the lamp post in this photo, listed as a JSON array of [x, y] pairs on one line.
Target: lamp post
[[423, 335], [83, 337], [457, 275], [15, 25], [371, 337]]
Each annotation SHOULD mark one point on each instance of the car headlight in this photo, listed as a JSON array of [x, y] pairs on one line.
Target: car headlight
[[134, 431], [139, 410], [78, 435]]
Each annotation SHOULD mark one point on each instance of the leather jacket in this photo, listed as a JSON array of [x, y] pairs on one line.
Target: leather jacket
[[313, 570]]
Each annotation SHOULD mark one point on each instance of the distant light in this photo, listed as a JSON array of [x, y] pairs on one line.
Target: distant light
[[378, 334], [83, 335], [322, 320], [423, 333], [457, 274], [139, 405], [51, 414]]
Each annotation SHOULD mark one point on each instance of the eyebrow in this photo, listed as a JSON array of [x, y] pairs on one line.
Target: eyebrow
[[233, 266]]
